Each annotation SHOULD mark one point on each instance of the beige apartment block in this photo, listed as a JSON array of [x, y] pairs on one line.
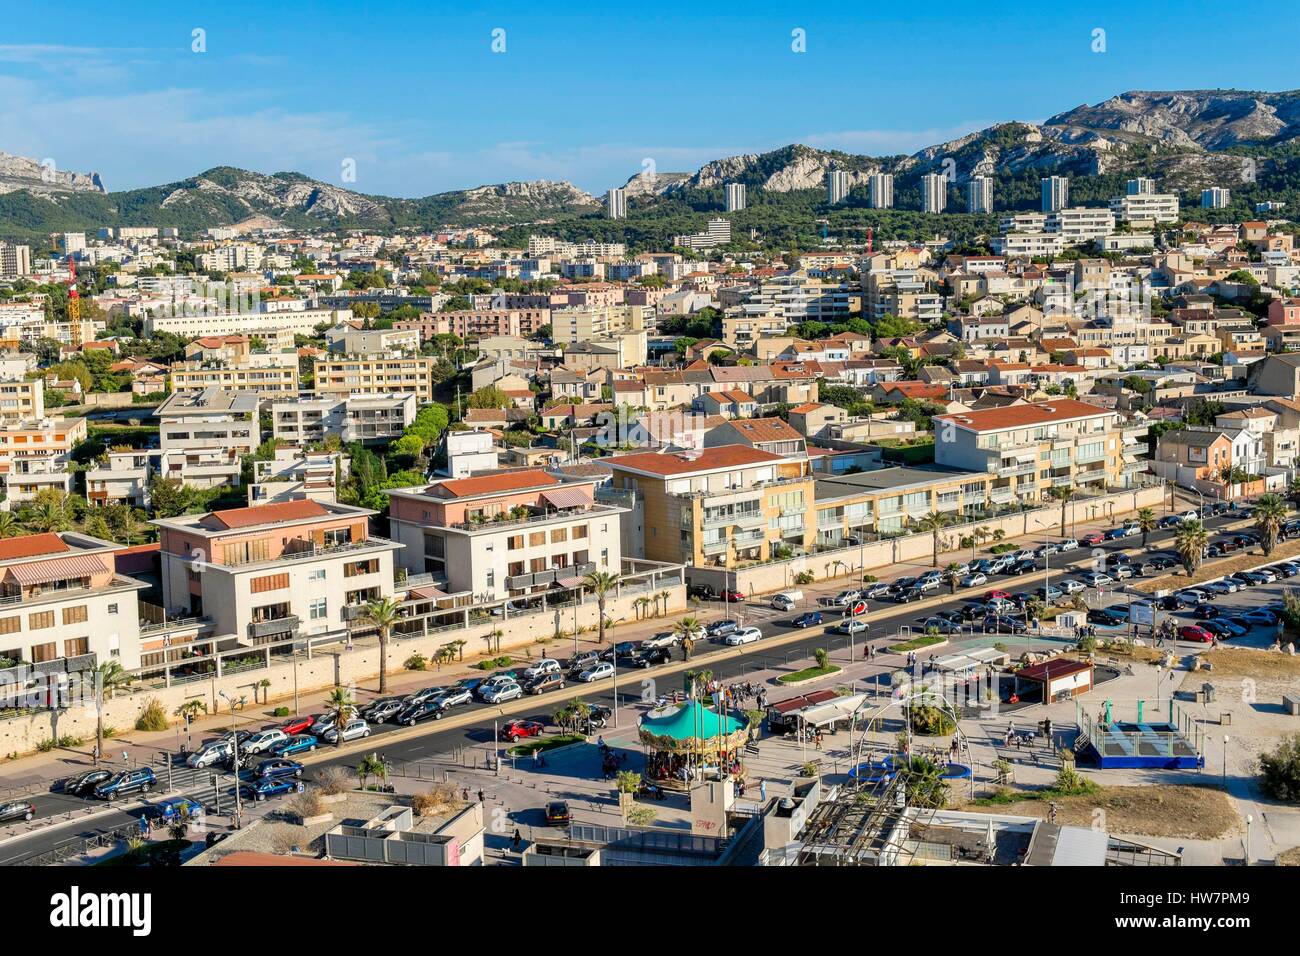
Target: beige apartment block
[[375, 375]]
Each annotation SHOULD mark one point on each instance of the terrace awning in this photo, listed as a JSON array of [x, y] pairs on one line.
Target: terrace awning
[[61, 569], [567, 497]]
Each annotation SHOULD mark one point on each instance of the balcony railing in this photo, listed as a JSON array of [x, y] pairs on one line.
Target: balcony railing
[[280, 625], [492, 524]]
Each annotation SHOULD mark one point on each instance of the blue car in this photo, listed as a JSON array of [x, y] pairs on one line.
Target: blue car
[[298, 743], [270, 787], [277, 767], [175, 809], [807, 619]]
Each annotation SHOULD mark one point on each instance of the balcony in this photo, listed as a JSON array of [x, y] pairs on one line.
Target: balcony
[[1020, 468], [1061, 481], [493, 524], [287, 625], [744, 519], [714, 547], [1089, 458], [1135, 467]]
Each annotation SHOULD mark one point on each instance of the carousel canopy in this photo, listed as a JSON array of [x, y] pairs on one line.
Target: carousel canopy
[[692, 721]]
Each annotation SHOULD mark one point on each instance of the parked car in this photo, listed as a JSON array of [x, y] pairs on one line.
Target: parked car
[[731, 596], [908, 595], [845, 598], [557, 814], [297, 725], [495, 681], [353, 730], [278, 767], [540, 685], [581, 662], [743, 635], [126, 782], [620, 650], [1261, 616], [322, 725], [1122, 572], [1157, 564], [941, 625], [500, 693], [597, 672], [1220, 587], [1096, 579], [1023, 567], [651, 657], [297, 744], [1050, 593], [786, 600], [702, 591], [720, 629], [175, 808], [1004, 625], [515, 729], [386, 708], [425, 693], [208, 755], [851, 626], [84, 782], [1260, 576], [16, 810], [875, 590], [662, 639], [1108, 616], [546, 665], [453, 697], [1092, 539], [412, 714], [267, 787], [1071, 586], [1069, 544], [1194, 632], [807, 619], [1190, 597], [975, 580]]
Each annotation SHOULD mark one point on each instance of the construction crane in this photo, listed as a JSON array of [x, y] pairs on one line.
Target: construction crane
[[74, 304]]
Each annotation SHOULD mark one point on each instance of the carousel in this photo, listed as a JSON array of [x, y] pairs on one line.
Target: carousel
[[693, 742]]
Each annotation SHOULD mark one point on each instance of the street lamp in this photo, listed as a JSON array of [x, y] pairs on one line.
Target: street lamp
[[1250, 818], [234, 744], [1225, 761]]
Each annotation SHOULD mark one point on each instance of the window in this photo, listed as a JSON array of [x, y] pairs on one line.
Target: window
[[579, 531], [42, 619], [76, 647], [11, 625], [246, 552], [44, 652], [537, 539], [515, 542], [317, 574], [75, 615], [112, 609], [491, 579], [354, 568], [316, 610], [268, 582]]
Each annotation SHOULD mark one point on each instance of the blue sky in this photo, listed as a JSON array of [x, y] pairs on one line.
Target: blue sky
[[414, 94]]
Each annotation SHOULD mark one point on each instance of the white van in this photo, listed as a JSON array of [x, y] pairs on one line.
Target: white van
[[786, 600]]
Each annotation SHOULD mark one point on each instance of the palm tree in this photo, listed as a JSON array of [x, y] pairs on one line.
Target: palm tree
[[952, 574], [1294, 490], [1189, 541], [1063, 495], [641, 604], [371, 766], [1270, 513], [664, 596], [109, 676], [934, 522], [1147, 522], [9, 525], [600, 583], [341, 707], [383, 614]]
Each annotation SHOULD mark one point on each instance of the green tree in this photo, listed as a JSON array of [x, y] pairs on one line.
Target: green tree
[[1270, 513], [341, 708], [600, 583], [1063, 495], [109, 676], [1147, 522], [383, 614], [933, 523], [1189, 542]]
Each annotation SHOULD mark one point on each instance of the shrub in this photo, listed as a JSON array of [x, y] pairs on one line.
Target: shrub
[[869, 579], [1281, 770], [416, 662], [929, 721], [305, 804], [45, 746], [280, 712], [821, 657], [804, 577], [1070, 784], [152, 716], [440, 798], [640, 815], [809, 769], [333, 780]]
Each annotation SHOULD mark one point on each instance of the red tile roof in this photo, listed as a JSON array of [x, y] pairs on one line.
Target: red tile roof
[[31, 545], [265, 514], [1022, 416], [686, 463], [493, 484]]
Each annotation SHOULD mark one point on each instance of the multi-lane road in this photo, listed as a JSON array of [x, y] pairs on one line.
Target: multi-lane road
[[472, 726]]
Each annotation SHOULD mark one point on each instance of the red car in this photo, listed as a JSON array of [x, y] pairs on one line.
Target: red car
[[521, 728], [734, 597], [1092, 539], [297, 725], [1193, 632], [995, 595]]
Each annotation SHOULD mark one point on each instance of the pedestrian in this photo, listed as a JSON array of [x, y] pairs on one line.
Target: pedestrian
[[866, 652], [537, 758], [94, 753], [1047, 729], [1051, 812], [481, 797], [517, 840], [762, 791], [818, 738]]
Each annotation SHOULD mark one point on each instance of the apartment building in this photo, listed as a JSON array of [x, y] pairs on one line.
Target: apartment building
[[294, 475], [905, 294], [884, 501], [124, 476], [22, 400], [1080, 224], [578, 324], [934, 192], [15, 261], [34, 455], [1145, 207], [506, 535], [369, 419], [880, 187], [837, 186], [375, 375], [274, 572], [193, 326], [203, 436], [1055, 193], [63, 606], [1215, 197], [268, 374], [722, 506], [1034, 447], [346, 340], [735, 197], [979, 194], [478, 323]]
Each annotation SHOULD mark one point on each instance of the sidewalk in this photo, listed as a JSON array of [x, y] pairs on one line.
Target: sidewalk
[[36, 772]]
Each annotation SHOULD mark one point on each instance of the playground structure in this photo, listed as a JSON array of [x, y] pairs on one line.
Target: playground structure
[[1172, 742]]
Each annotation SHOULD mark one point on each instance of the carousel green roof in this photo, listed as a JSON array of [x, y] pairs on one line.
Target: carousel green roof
[[693, 721]]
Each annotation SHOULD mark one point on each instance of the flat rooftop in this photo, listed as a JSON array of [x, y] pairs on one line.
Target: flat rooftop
[[209, 401], [888, 479]]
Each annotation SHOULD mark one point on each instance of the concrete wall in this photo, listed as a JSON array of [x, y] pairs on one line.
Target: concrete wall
[[919, 548], [358, 667]]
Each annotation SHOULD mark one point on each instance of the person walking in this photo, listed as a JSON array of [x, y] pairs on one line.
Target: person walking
[[481, 797], [517, 840], [762, 791]]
